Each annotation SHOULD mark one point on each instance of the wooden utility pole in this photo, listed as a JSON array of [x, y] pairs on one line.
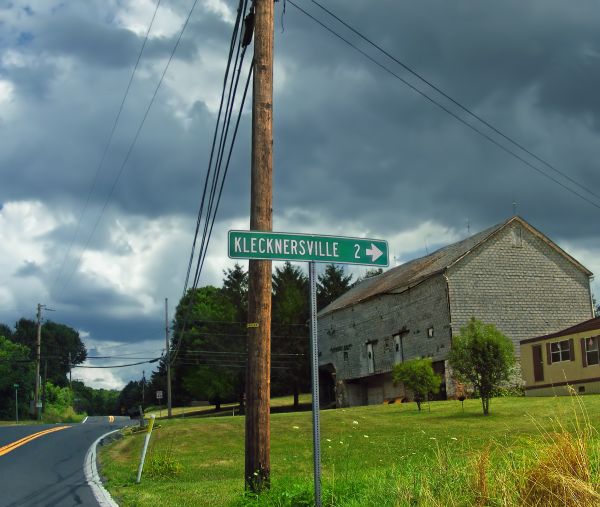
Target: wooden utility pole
[[36, 397], [168, 360], [258, 372]]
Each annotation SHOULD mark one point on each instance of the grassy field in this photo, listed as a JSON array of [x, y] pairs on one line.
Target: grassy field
[[376, 455]]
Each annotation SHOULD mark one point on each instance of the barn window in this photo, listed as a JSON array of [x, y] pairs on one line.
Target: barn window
[[517, 236], [370, 358], [592, 351], [430, 332], [345, 355], [560, 351]]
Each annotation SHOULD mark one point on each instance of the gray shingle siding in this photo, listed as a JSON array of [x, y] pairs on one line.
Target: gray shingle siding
[[523, 283], [376, 320], [525, 291]]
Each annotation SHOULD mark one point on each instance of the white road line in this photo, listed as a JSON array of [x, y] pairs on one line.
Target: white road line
[[83, 422], [93, 478]]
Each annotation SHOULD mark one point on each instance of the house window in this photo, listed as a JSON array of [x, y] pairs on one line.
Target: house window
[[430, 332], [560, 351], [345, 355], [592, 351], [517, 237]]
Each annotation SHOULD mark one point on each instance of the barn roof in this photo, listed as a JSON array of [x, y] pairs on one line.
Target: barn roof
[[414, 272]]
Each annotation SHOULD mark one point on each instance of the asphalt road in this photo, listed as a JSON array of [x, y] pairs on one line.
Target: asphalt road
[[47, 471]]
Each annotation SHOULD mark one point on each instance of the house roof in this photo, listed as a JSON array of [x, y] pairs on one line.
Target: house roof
[[412, 273], [588, 325]]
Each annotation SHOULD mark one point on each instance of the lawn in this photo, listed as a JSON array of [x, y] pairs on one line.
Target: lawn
[[283, 402], [375, 455]]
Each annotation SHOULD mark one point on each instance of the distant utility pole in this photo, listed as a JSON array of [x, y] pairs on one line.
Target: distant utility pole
[[143, 386], [70, 378], [168, 359], [36, 396], [258, 371]]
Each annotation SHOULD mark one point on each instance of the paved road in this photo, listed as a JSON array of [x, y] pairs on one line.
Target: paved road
[[47, 470]]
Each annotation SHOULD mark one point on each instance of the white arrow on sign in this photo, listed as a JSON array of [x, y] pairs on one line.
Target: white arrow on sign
[[374, 252]]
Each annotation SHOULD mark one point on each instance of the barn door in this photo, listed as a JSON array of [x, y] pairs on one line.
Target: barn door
[[538, 363]]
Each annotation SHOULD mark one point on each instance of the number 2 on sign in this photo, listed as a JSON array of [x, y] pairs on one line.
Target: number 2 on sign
[[356, 250]]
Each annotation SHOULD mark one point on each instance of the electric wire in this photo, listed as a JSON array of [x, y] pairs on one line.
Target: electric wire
[[131, 146], [217, 181], [106, 148], [444, 108], [456, 102], [212, 150], [154, 360]]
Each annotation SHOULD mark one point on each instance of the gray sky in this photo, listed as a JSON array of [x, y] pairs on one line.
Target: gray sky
[[357, 152]]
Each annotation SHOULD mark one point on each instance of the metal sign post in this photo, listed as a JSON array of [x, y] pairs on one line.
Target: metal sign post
[[312, 280], [159, 395], [16, 386], [285, 246]]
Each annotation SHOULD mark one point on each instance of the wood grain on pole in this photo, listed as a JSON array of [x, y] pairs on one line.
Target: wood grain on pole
[[258, 380]]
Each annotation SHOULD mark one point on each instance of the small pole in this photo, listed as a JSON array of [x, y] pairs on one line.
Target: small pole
[[36, 396], [44, 385], [168, 359], [70, 379], [315, 382], [145, 448], [16, 386]]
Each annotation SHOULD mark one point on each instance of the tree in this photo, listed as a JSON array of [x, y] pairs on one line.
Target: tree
[[290, 344], [5, 331], [483, 356], [331, 285], [58, 340], [15, 368], [369, 273], [214, 383], [235, 289], [418, 376], [206, 334]]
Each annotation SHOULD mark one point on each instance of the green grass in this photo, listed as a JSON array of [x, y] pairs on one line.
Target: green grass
[[376, 455], [276, 403]]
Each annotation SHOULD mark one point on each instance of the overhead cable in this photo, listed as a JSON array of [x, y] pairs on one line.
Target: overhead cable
[[446, 109]]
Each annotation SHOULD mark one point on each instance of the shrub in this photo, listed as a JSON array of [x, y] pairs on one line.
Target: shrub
[[483, 356], [418, 376]]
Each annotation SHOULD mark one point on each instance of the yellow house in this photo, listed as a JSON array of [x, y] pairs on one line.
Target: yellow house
[[570, 357]]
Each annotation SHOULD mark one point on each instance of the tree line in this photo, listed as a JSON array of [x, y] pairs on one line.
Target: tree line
[[61, 349], [208, 346]]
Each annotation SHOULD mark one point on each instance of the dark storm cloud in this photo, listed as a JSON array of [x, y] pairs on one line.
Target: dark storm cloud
[[29, 268], [352, 144]]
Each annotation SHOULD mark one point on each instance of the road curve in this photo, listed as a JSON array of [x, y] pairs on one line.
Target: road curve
[[42, 465]]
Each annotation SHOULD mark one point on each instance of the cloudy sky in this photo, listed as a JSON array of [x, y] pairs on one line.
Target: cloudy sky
[[357, 152]]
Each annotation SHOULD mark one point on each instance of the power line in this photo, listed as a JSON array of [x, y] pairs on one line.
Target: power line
[[106, 147], [456, 102], [119, 365], [132, 144], [444, 108], [210, 215]]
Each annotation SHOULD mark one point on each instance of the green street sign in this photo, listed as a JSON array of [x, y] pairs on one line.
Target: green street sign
[[286, 246], [16, 386]]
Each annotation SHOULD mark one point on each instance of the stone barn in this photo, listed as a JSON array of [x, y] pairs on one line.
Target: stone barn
[[510, 275]]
